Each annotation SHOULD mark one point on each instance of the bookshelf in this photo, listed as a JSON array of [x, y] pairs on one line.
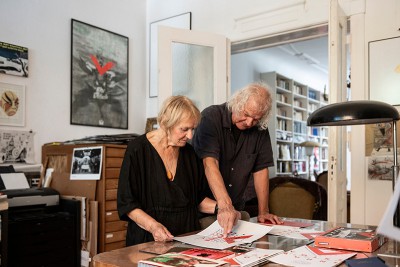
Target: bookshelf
[[293, 102]]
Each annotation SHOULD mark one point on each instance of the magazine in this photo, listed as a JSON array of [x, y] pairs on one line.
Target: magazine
[[180, 260]]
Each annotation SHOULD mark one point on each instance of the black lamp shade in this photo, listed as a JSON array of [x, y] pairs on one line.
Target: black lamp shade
[[353, 113]]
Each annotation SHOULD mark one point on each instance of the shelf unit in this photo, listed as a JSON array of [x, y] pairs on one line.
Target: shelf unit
[[293, 102]]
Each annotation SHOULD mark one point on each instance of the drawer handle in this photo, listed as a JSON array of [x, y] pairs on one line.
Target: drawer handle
[[109, 235]]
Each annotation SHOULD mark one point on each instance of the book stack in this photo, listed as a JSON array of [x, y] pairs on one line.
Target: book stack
[[356, 239]]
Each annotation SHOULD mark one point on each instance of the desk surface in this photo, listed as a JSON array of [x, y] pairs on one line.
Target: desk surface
[[129, 256]]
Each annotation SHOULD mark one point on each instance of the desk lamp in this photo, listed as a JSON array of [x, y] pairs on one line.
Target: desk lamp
[[309, 145], [359, 112]]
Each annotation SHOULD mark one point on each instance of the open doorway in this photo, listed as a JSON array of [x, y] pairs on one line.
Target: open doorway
[[301, 55]]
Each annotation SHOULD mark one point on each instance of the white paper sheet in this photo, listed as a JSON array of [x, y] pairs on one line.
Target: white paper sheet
[[15, 180], [294, 232], [312, 257], [211, 237]]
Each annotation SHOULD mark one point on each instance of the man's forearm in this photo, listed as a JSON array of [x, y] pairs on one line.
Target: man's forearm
[[261, 185], [216, 182]]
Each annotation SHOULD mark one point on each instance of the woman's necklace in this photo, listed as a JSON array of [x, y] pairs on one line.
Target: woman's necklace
[[169, 162]]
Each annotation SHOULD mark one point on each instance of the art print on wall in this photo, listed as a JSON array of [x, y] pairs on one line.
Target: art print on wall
[[13, 59], [99, 77], [16, 146], [380, 168], [12, 104]]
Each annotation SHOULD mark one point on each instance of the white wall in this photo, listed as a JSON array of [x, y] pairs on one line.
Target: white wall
[[369, 197], [44, 27]]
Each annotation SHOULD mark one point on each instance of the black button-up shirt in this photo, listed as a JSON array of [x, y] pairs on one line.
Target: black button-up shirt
[[253, 152]]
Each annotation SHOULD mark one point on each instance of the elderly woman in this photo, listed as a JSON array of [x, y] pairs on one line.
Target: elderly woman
[[162, 186]]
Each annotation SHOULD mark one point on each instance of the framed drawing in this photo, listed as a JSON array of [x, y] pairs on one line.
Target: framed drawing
[[12, 104], [183, 21], [13, 59], [99, 77], [384, 70]]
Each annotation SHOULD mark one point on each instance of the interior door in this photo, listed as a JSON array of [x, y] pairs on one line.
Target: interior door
[[195, 64], [337, 210]]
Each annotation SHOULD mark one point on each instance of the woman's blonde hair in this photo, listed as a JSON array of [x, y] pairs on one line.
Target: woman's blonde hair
[[260, 93], [176, 108]]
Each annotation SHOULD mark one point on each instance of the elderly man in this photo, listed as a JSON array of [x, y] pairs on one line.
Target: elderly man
[[233, 141]]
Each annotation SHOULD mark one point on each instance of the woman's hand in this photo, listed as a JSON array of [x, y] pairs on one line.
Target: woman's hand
[[160, 232]]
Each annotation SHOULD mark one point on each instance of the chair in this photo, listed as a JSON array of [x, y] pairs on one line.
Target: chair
[[322, 178], [297, 198]]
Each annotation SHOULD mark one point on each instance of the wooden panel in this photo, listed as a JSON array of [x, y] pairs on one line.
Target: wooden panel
[[115, 245], [111, 194], [113, 152], [115, 236], [116, 226], [111, 205], [113, 162], [112, 216], [111, 184], [112, 173]]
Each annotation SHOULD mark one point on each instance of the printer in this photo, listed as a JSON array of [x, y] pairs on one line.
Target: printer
[[20, 195], [30, 197]]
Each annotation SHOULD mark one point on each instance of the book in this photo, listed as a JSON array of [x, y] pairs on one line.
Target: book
[[236, 256], [356, 239], [181, 260], [366, 262], [252, 257]]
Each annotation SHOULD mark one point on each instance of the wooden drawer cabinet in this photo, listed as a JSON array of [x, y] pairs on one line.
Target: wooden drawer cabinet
[[111, 231]]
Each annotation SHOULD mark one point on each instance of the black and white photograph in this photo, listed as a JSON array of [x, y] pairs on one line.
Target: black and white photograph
[[13, 59], [86, 163], [99, 77]]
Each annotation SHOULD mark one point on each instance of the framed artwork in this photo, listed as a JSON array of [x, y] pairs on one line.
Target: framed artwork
[[99, 77], [183, 21], [384, 70], [13, 59], [12, 104], [86, 163]]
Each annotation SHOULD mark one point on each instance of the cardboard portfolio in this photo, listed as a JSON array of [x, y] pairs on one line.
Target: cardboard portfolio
[[356, 239]]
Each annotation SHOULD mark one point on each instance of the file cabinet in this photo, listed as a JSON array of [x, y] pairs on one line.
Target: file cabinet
[[111, 230]]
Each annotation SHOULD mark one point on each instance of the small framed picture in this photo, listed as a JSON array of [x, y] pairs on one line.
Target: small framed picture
[[86, 163], [12, 104], [151, 124]]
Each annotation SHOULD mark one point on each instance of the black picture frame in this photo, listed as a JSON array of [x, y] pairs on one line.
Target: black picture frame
[[182, 21], [99, 77]]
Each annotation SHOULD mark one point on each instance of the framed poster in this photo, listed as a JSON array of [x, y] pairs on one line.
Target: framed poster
[[99, 77], [13, 59], [183, 21], [384, 70], [12, 104]]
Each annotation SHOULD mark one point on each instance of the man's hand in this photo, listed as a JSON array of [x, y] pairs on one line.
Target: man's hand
[[160, 233], [227, 218], [262, 218]]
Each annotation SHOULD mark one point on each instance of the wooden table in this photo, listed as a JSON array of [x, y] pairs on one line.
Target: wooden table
[[129, 256]]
